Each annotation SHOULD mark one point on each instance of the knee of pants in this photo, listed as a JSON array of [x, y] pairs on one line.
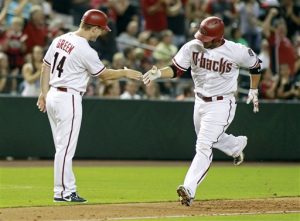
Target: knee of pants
[[203, 148]]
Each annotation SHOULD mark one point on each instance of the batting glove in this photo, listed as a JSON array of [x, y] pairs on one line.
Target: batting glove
[[151, 75], [253, 96]]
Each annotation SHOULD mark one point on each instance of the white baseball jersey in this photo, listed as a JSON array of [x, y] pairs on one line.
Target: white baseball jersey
[[215, 71], [72, 61]]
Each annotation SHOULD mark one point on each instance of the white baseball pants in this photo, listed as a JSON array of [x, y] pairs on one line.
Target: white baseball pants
[[211, 119], [64, 112]]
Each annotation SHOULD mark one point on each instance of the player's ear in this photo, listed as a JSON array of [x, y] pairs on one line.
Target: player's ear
[[94, 29]]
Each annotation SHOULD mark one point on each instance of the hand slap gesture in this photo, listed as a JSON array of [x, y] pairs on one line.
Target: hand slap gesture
[[151, 75]]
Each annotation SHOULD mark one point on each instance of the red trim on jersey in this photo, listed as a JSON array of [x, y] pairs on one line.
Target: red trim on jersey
[[178, 66], [99, 72], [46, 62], [253, 66], [63, 169]]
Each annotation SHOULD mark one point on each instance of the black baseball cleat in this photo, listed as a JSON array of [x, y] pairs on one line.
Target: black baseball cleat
[[74, 198], [184, 196]]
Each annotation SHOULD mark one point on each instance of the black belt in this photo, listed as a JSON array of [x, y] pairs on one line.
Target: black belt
[[63, 89], [209, 99]]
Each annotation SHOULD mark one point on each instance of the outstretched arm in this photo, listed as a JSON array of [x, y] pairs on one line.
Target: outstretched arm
[[110, 74]]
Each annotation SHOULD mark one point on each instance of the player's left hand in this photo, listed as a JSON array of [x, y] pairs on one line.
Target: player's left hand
[[253, 96], [151, 75], [41, 103]]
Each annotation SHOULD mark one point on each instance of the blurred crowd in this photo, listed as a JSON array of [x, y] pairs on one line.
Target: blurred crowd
[[148, 32]]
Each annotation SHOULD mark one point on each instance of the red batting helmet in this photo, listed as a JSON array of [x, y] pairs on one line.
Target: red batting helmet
[[211, 28], [95, 17]]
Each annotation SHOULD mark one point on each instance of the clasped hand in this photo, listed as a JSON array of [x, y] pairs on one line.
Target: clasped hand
[[151, 75], [253, 96]]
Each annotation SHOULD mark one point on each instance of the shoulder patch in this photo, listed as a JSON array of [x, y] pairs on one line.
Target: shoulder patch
[[251, 53]]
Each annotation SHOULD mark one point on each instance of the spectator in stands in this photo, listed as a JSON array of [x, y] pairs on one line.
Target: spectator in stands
[[131, 58], [249, 12], [63, 11], [195, 11], [264, 55], [176, 21], [4, 69], [31, 72], [297, 49], [9, 84], [168, 89], [165, 50], [36, 29], [224, 9], [125, 12], [78, 7], [118, 61], [91, 89], [128, 38], [187, 94], [151, 42], [130, 92], [15, 43], [281, 48], [18, 8], [291, 15], [56, 28], [155, 15], [112, 89], [152, 91], [285, 88], [4, 8], [191, 30], [145, 63], [236, 36], [268, 84]]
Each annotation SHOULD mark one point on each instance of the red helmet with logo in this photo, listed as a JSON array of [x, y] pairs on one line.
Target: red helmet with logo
[[96, 18], [211, 28]]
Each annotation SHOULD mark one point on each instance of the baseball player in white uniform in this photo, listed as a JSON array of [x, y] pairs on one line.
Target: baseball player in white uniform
[[215, 64], [67, 67]]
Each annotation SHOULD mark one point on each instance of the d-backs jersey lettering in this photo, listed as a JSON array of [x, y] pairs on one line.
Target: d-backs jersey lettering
[[215, 71]]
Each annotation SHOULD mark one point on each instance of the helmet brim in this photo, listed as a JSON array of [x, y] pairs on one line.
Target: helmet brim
[[106, 28], [202, 37]]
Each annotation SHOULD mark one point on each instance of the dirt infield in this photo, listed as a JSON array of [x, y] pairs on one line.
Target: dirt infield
[[154, 210]]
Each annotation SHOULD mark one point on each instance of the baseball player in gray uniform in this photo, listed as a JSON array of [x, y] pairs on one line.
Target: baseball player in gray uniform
[[215, 64], [67, 67]]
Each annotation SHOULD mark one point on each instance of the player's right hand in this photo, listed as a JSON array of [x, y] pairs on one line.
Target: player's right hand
[[41, 103], [133, 74], [253, 96], [151, 75]]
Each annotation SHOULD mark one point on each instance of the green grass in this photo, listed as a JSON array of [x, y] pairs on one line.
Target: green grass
[[34, 186], [269, 217]]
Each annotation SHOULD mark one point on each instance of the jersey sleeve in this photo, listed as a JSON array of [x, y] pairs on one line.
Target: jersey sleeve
[[182, 59], [93, 64], [247, 58], [49, 54]]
